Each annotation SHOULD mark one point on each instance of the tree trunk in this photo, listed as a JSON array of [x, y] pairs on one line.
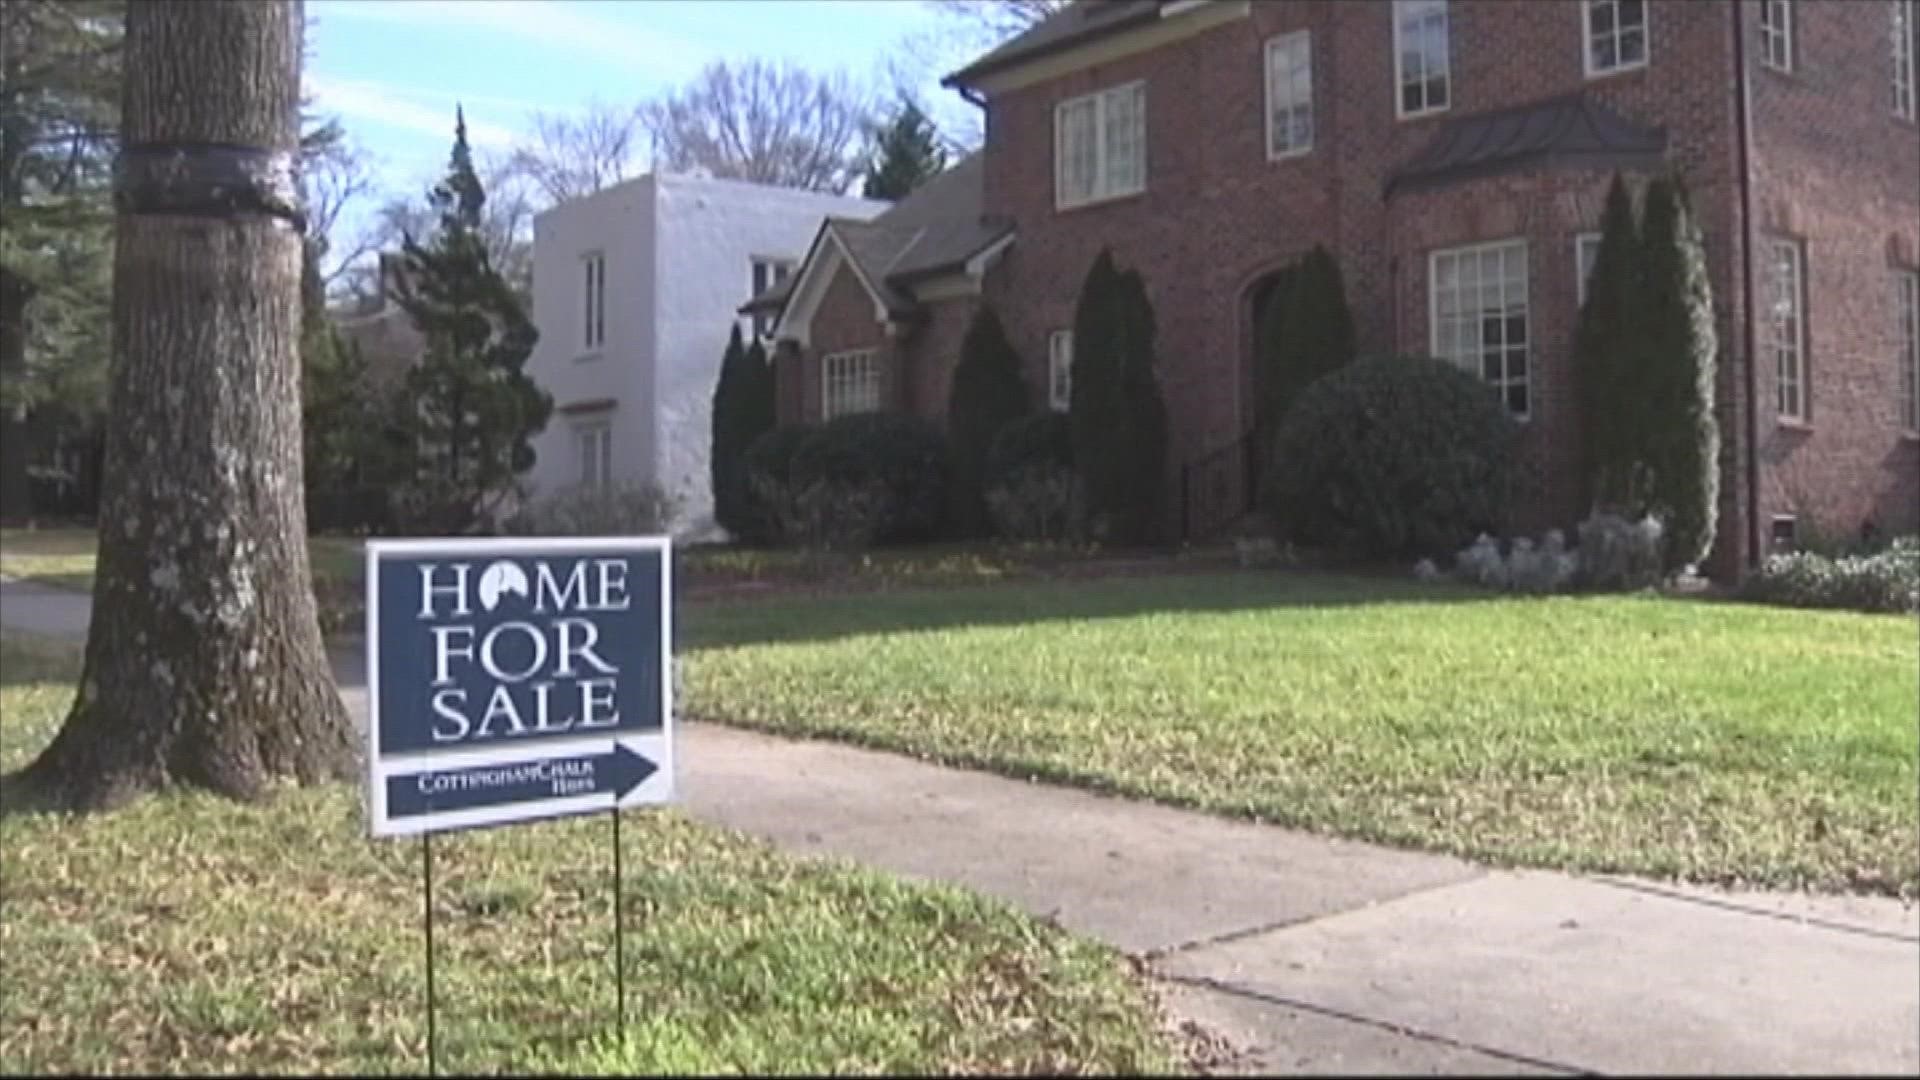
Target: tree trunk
[[204, 663], [15, 495]]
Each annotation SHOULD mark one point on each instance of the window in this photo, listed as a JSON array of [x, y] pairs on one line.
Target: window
[[1903, 12], [1480, 324], [766, 274], [1290, 95], [1422, 72], [594, 443], [1586, 251], [1616, 35], [596, 303], [1786, 328], [1776, 34], [850, 383], [1906, 337], [1100, 146], [1060, 370]]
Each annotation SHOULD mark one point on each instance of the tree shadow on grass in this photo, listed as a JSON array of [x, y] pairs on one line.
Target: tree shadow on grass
[[823, 617]]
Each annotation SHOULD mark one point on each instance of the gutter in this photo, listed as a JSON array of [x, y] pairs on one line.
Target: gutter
[[1743, 119]]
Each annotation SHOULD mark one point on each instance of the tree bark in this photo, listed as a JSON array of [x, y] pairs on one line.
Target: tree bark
[[204, 664], [15, 494]]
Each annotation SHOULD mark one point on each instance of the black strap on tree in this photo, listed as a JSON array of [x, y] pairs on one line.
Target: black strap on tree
[[217, 180]]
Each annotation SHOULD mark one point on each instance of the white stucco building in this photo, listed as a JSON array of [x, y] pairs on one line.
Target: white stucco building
[[634, 293]]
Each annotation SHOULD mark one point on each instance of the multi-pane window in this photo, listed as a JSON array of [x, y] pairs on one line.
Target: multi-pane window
[[1422, 70], [1786, 326], [1480, 317], [766, 274], [1906, 313], [1903, 32], [1290, 94], [595, 327], [1100, 145], [1586, 252], [850, 383], [1616, 35], [1776, 34], [1060, 370], [594, 443]]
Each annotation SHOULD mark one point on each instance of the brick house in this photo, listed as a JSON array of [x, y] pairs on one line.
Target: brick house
[[1454, 156]]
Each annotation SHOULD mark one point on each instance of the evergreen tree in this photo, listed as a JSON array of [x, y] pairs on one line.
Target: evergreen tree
[[1116, 417], [1603, 341], [731, 404], [1308, 332], [476, 409], [332, 420], [1269, 334], [1682, 447], [906, 153], [988, 393]]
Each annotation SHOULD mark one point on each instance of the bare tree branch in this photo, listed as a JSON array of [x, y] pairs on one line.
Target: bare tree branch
[[987, 23], [569, 157], [964, 31], [771, 124]]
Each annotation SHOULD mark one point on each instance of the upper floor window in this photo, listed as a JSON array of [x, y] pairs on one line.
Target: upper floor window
[[594, 444], [1060, 370], [1480, 317], [1290, 94], [850, 383], [1422, 70], [596, 300], [1616, 35], [766, 274], [1776, 34], [1586, 252], [1100, 146], [1903, 31], [1906, 327], [1786, 326]]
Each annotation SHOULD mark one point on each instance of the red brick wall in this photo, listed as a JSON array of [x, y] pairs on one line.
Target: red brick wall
[[845, 320], [930, 355], [1835, 169]]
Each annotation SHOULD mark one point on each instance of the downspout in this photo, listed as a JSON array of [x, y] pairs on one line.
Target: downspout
[[1743, 111]]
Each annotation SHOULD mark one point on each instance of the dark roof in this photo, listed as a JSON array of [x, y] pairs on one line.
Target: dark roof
[[1563, 131], [1078, 22], [935, 229]]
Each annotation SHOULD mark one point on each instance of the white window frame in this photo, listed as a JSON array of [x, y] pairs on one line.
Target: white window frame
[[1786, 330], [1060, 370], [1405, 11], [1906, 340], [593, 450], [594, 326], [1581, 272], [1299, 74], [850, 383], [1776, 36], [1101, 189], [1507, 379], [763, 273], [1903, 14], [1588, 39]]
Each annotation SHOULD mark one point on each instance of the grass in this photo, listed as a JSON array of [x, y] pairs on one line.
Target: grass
[[1712, 742], [65, 557], [187, 934]]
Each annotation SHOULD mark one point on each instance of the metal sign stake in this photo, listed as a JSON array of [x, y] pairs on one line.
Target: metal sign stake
[[426, 865], [619, 941]]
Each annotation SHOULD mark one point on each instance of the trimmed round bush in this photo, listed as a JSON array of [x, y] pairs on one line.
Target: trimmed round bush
[[1391, 457], [903, 457], [1042, 440], [767, 459]]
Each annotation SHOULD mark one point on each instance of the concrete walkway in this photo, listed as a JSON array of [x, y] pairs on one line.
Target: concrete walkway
[[1313, 955]]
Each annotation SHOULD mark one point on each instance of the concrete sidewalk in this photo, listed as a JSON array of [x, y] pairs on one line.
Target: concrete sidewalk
[[1314, 955]]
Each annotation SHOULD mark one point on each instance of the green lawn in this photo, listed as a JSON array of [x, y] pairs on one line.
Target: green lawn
[[65, 557], [1709, 741], [186, 934]]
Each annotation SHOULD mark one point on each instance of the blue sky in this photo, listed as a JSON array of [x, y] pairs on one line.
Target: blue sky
[[393, 69]]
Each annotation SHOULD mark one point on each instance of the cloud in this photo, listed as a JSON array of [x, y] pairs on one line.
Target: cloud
[[573, 27], [422, 112]]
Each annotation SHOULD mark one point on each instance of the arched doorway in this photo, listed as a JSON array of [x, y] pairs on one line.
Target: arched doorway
[[1264, 324]]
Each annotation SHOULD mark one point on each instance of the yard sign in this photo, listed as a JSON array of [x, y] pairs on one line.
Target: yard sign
[[511, 680]]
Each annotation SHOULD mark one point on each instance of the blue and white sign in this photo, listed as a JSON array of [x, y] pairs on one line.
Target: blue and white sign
[[510, 680]]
